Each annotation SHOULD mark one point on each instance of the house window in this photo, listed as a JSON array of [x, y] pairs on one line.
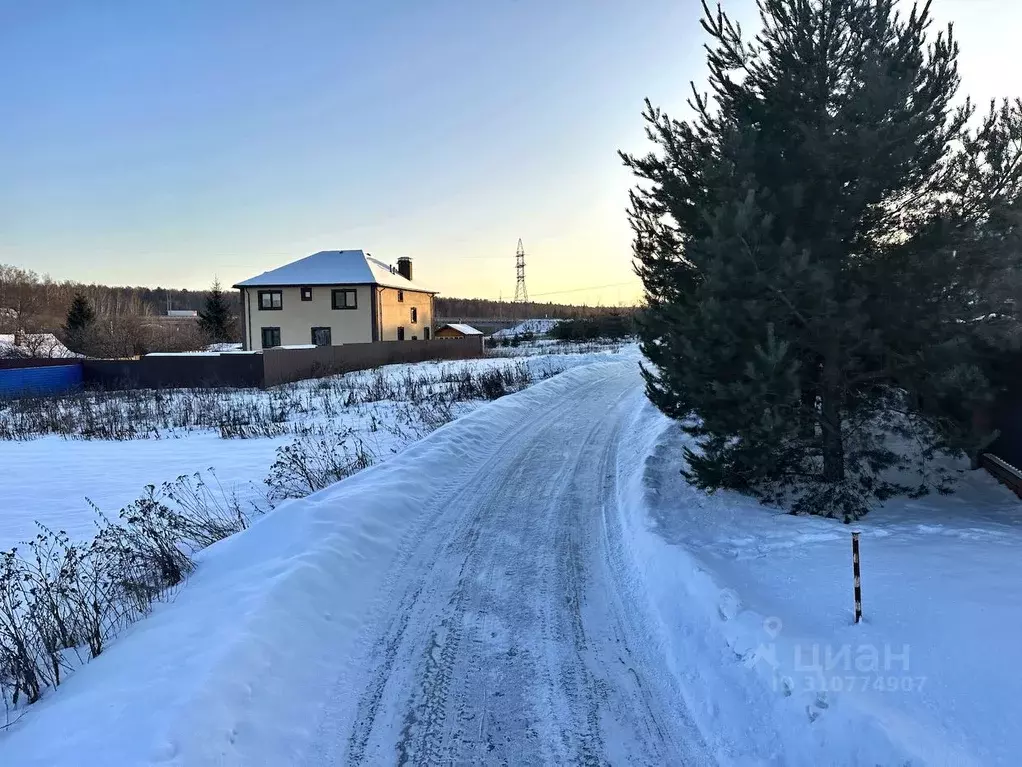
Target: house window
[[271, 300], [425, 333], [401, 296], [321, 336], [400, 334], [344, 299], [306, 294], [271, 337], [415, 315]]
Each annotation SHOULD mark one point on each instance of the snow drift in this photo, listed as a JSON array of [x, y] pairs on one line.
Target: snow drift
[[756, 610], [232, 670]]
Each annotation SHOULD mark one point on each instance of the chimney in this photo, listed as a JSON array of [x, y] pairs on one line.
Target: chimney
[[404, 267]]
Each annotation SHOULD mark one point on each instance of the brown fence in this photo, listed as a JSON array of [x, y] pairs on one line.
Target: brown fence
[[175, 371], [286, 365], [268, 368]]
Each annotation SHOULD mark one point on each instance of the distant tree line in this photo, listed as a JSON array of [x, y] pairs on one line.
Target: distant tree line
[[614, 325], [467, 308], [121, 321], [105, 321], [36, 302]]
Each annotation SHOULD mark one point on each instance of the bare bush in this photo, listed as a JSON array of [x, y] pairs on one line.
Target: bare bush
[[61, 601], [495, 347], [208, 512], [146, 545], [311, 463], [299, 409]]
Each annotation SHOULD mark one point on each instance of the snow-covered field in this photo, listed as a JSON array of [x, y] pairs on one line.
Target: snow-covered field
[[48, 479], [534, 583]]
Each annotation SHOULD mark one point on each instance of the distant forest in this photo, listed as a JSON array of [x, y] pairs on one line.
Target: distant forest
[[40, 303]]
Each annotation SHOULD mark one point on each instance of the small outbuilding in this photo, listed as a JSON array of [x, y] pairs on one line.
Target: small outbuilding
[[457, 330]]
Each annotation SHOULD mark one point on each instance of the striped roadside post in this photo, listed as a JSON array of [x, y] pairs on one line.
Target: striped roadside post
[[858, 579]]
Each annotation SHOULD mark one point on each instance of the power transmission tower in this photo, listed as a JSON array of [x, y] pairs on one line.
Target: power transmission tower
[[521, 293]]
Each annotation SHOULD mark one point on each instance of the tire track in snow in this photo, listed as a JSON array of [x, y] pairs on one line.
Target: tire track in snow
[[506, 637], [413, 555]]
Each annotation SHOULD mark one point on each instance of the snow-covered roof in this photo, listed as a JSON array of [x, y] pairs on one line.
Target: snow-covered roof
[[34, 345], [467, 330], [335, 267]]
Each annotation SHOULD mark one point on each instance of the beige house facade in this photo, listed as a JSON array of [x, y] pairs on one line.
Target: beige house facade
[[332, 298]]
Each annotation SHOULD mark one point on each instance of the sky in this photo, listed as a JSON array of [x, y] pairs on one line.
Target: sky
[[169, 142]]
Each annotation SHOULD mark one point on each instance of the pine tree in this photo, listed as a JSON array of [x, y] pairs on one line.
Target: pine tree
[[80, 315], [79, 323], [215, 319], [819, 246]]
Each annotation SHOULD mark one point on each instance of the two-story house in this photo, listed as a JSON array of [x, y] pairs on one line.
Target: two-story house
[[335, 297]]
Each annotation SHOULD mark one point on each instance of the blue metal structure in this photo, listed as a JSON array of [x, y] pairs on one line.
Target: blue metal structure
[[52, 379]]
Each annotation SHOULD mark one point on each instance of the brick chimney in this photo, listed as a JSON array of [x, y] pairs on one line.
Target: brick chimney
[[404, 267]]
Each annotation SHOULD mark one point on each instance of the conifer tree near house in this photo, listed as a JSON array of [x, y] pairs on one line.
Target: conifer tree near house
[[79, 321], [215, 318], [820, 247]]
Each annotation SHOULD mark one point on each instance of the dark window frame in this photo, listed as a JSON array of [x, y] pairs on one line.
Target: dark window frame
[[271, 294], [306, 292], [262, 337], [425, 333], [329, 336], [400, 296], [337, 291], [414, 315], [401, 333]]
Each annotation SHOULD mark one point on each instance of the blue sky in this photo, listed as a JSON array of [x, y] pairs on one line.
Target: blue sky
[[165, 142]]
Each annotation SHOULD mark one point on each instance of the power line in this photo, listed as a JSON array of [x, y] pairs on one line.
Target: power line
[[521, 292], [579, 290]]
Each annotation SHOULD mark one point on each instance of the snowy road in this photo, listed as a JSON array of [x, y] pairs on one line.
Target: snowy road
[[476, 599], [534, 583], [507, 632]]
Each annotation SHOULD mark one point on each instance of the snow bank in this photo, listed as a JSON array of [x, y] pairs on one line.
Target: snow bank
[[232, 670], [536, 327], [224, 347], [755, 608]]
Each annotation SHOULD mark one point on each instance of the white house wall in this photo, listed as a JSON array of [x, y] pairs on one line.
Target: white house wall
[[296, 318]]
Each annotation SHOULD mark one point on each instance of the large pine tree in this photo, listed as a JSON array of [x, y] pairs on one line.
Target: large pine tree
[[820, 246], [215, 318]]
